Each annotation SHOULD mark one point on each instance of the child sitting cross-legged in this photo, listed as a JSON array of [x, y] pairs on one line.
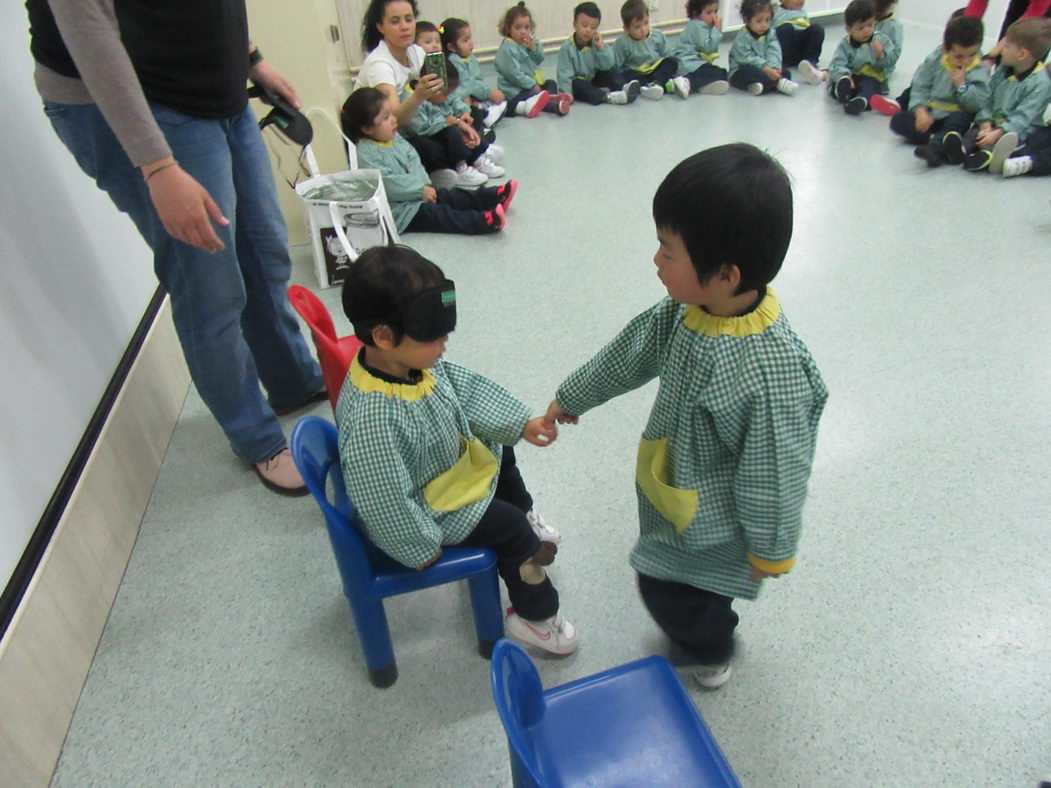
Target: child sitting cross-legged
[[1021, 90], [755, 57], [801, 40], [425, 444], [448, 121], [644, 54], [856, 72], [417, 205], [699, 48], [518, 70], [487, 104], [586, 65]]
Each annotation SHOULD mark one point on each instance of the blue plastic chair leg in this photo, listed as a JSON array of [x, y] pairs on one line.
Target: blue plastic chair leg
[[520, 776], [488, 617], [374, 634]]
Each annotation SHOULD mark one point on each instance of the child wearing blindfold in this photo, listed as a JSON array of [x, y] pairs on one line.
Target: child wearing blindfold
[[425, 444]]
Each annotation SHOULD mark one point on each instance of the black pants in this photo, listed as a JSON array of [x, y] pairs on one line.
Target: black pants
[[705, 75], [904, 123], [505, 530], [746, 75], [665, 71], [456, 149], [1038, 147], [525, 95], [800, 45], [700, 622], [591, 90], [864, 86], [457, 211]]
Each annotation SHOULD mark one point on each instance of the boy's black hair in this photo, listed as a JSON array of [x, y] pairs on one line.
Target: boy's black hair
[[360, 110], [750, 8], [632, 10], [452, 76], [426, 27], [450, 31], [859, 11], [1032, 34], [730, 205], [694, 7], [964, 31], [883, 7], [587, 9], [370, 35], [957, 13], [379, 282], [509, 18]]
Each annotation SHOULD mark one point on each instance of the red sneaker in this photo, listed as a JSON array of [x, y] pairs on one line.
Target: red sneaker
[[496, 219], [884, 105], [506, 193]]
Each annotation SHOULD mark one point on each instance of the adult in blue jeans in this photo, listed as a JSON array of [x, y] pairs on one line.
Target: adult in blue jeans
[[150, 98]]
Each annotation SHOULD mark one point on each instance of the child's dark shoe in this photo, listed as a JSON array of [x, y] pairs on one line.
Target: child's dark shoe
[[952, 146], [978, 161], [930, 153], [842, 90], [856, 105]]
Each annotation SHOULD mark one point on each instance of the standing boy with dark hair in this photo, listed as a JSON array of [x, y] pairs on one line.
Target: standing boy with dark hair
[[644, 54], [586, 66], [724, 460], [947, 91]]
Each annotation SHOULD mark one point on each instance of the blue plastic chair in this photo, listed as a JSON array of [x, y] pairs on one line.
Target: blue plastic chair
[[628, 726], [369, 575]]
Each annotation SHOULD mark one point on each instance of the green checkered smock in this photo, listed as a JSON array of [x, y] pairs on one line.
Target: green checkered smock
[[723, 464], [421, 461]]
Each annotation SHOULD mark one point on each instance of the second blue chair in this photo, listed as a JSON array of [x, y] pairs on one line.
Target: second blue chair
[[369, 575]]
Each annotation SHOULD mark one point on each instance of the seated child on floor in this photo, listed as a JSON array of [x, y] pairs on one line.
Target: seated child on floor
[[947, 90], [1032, 158], [699, 48], [800, 39], [487, 105], [425, 444], [722, 467], [755, 57], [644, 54], [857, 71], [892, 30], [416, 205], [586, 66], [1020, 91], [518, 70], [448, 121]]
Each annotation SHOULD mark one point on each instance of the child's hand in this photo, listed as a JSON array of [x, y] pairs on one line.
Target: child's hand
[[452, 120], [987, 137], [467, 118], [471, 138], [555, 413], [924, 120], [877, 48], [959, 76], [598, 42], [718, 22], [759, 574], [773, 73], [430, 194], [428, 85], [540, 432], [437, 555], [497, 97]]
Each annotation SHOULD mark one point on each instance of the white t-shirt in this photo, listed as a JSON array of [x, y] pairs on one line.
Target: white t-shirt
[[381, 68]]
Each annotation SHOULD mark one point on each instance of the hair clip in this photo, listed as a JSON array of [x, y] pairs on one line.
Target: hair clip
[[441, 29]]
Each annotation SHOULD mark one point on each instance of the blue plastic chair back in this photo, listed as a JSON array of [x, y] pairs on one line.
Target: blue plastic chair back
[[519, 698]]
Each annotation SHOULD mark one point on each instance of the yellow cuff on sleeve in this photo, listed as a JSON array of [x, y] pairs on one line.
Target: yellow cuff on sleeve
[[773, 567]]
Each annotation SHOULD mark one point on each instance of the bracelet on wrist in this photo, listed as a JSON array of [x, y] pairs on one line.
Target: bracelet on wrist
[[254, 57], [153, 172]]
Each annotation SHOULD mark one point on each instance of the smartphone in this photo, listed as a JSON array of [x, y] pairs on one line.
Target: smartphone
[[434, 63]]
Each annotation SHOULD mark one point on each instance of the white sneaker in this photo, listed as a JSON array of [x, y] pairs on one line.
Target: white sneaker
[[555, 635], [682, 87], [543, 531], [652, 92], [488, 167], [494, 113], [1019, 165], [495, 153], [1002, 150], [756, 88], [717, 88], [787, 86], [468, 177], [712, 676], [811, 73], [532, 107], [616, 97]]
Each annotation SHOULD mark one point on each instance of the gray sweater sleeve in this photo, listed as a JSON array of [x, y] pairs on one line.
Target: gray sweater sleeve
[[89, 30]]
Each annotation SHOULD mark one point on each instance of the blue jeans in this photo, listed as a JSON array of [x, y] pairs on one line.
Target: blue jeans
[[230, 308]]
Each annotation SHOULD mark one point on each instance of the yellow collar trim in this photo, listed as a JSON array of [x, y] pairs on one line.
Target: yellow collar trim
[[948, 66], [383, 143], [367, 384], [1037, 66], [755, 322]]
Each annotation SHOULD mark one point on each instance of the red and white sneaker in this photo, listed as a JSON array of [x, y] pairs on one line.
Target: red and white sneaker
[[507, 192], [568, 97], [884, 105], [496, 219], [554, 635]]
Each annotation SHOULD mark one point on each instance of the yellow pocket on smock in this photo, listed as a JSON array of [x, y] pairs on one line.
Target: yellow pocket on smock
[[538, 75], [651, 472], [467, 481]]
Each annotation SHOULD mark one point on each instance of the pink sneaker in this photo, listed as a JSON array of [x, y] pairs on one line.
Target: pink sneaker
[[279, 474], [496, 218], [507, 192], [884, 105]]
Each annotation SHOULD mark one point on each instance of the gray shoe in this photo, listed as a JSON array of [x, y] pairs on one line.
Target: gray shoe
[[1002, 151]]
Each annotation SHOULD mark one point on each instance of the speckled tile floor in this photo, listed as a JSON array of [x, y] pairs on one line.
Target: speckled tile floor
[[909, 648]]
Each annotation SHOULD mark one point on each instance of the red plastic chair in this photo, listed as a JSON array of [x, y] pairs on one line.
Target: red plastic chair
[[333, 353]]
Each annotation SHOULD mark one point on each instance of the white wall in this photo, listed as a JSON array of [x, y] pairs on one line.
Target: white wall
[[76, 280], [937, 12]]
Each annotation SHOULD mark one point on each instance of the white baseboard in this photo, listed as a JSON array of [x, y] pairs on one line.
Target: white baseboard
[[49, 645]]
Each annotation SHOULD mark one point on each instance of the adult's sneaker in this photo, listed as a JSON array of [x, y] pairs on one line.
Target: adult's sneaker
[[856, 105], [554, 635], [811, 73], [494, 113], [1002, 150], [532, 107], [712, 676], [681, 87], [842, 89], [1019, 165], [468, 177], [543, 531], [717, 88], [787, 86], [488, 167], [952, 146], [884, 105], [652, 92]]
